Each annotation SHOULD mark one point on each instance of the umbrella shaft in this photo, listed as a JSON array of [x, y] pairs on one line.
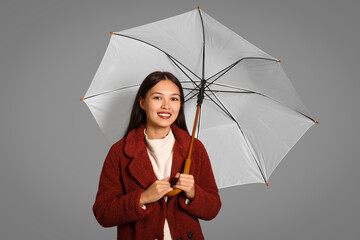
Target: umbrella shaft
[[188, 159]]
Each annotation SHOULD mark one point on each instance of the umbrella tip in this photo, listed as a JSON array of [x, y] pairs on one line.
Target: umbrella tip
[[316, 121], [278, 60], [198, 7], [82, 99], [111, 32], [266, 183]]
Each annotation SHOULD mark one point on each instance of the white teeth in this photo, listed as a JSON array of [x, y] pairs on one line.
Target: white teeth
[[164, 114]]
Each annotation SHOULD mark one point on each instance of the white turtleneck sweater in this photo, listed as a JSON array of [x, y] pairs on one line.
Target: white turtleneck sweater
[[161, 152]]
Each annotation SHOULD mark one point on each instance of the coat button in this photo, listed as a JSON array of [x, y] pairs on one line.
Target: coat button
[[179, 239], [190, 234]]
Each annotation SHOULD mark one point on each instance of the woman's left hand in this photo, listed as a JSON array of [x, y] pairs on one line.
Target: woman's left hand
[[186, 183]]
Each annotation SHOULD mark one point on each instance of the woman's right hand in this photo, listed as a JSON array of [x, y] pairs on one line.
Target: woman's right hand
[[156, 191]]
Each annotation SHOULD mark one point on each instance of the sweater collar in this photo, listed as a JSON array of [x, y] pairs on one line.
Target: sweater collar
[[159, 147], [135, 140]]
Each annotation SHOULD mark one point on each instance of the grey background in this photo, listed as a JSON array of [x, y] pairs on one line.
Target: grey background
[[52, 151]]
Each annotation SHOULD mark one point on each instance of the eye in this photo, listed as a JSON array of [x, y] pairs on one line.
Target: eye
[[174, 99], [156, 97]]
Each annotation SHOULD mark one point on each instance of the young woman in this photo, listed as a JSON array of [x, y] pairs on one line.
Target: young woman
[[147, 163]]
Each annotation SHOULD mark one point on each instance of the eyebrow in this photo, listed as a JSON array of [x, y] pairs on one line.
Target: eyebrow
[[163, 94]]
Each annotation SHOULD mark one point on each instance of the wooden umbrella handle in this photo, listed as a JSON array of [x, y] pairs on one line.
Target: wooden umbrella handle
[[188, 159]]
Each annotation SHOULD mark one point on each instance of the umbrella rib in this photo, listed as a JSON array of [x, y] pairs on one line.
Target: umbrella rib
[[168, 55], [225, 70], [249, 91], [221, 107], [122, 88], [182, 81], [190, 97], [232, 87], [233, 118], [224, 91], [173, 60], [192, 90]]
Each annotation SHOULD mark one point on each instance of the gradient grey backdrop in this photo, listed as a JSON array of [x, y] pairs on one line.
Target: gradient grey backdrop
[[52, 150]]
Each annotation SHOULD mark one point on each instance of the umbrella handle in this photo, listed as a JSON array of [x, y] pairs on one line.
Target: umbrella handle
[[186, 171], [188, 159]]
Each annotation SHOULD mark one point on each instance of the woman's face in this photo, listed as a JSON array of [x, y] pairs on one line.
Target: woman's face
[[161, 104]]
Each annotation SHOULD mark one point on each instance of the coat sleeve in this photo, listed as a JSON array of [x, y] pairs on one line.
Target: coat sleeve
[[112, 207], [206, 204]]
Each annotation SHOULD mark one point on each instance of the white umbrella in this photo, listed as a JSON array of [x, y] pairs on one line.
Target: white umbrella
[[251, 115]]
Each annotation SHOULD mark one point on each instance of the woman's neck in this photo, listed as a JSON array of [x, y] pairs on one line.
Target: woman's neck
[[156, 133]]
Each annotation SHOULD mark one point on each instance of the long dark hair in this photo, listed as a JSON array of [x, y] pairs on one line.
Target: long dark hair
[[138, 115]]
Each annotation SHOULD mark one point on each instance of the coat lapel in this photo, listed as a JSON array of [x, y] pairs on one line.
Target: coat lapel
[[140, 167]]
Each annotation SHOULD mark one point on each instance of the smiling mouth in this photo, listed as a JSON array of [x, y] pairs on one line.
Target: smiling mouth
[[164, 115]]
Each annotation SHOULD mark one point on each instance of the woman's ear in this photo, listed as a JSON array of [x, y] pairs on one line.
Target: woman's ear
[[141, 103]]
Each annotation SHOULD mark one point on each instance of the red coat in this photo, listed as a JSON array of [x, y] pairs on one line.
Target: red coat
[[127, 172]]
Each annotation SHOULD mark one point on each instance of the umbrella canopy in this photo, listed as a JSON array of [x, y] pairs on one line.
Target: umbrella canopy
[[251, 115]]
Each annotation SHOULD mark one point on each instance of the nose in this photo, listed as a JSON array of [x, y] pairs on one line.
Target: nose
[[165, 104]]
